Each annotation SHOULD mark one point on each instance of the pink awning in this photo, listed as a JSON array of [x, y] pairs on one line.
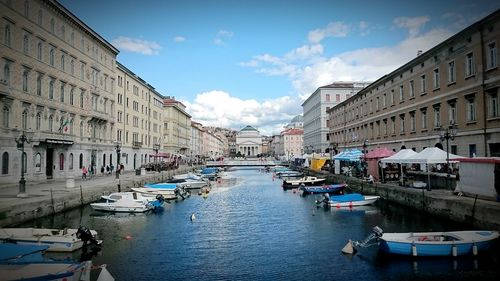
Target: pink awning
[[379, 152]]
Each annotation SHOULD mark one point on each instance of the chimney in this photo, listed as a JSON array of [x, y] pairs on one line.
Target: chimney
[[419, 52]]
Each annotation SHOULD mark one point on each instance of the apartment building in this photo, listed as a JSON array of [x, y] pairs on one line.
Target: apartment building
[[212, 145], [195, 141], [452, 88], [139, 119], [57, 88], [176, 127], [315, 115], [292, 143]]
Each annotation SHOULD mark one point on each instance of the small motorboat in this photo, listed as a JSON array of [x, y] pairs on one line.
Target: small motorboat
[[136, 196], [58, 240], [347, 200], [431, 244], [326, 188], [188, 183], [170, 191], [307, 181], [129, 205]]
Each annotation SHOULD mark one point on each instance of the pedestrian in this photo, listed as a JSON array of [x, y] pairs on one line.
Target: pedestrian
[[92, 171], [111, 168], [102, 170], [84, 173], [107, 170]]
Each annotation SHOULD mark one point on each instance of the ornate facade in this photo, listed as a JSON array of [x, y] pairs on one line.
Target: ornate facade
[[249, 141]]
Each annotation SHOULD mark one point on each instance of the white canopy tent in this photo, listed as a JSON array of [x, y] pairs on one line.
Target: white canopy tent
[[400, 156]]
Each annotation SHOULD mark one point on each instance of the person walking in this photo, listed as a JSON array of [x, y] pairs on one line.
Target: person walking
[[84, 173]]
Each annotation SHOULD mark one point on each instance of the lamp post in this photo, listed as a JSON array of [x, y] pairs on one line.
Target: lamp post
[[333, 147], [118, 149], [447, 133], [156, 147], [22, 182], [365, 145]]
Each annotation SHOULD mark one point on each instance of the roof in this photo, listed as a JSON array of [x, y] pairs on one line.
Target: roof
[[293, 132], [249, 128], [298, 118]]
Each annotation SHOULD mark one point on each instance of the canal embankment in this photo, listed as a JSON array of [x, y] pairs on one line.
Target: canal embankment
[[480, 213], [50, 197]]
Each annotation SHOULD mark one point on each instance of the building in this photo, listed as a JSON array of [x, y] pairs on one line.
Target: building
[[57, 88], [249, 141], [297, 122], [213, 146], [292, 143], [176, 127], [315, 107], [451, 88], [139, 122], [195, 141]]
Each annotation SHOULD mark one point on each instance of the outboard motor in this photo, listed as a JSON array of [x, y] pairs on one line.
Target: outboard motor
[[377, 232], [86, 236]]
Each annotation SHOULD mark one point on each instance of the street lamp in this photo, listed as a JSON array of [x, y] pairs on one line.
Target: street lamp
[[333, 148], [365, 145], [156, 147], [447, 134], [22, 182], [118, 149]]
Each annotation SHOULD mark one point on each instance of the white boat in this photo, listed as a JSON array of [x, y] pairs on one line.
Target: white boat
[[188, 183], [170, 191], [136, 196], [128, 205], [350, 200], [305, 181], [58, 240]]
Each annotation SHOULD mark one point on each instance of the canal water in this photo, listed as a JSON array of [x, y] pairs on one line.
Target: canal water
[[250, 229]]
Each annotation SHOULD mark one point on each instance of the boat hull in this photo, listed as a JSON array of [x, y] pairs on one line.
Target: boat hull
[[329, 188], [111, 207], [367, 201], [466, 246]]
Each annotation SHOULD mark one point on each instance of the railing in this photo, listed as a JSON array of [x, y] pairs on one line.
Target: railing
[[136, 144]]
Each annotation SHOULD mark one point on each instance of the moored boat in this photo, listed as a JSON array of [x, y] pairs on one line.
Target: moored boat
[[429, 244], [326, 188], [348, 200], [308, 181], [129, 205], [136, 196], [170, 191], [58, 240]]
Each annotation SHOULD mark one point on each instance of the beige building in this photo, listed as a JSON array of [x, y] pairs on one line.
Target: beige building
[[57, 85], [195, 141], [139, 122], [176, 128], [455, 83], [249, 141], [213, 145]]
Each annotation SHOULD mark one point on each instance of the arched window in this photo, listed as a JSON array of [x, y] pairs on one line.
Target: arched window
[[39, 51], [51, 89], [80, 161], [39, 84], [62, 62], [6, 116], [61, 162], [7, 35], [6, 73], [104, 159], [62, 93], [51, 57], [5, 163], [25, 80], [24, 119], [51, 123], [72, 96], [38, 163], [38, 124], [71, 126], [24, 162], [70, 164], [26, 44]]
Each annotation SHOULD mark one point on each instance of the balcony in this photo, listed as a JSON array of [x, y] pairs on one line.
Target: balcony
[[136, 144]]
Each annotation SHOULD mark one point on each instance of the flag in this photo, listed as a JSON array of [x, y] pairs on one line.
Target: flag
[[63, 128]]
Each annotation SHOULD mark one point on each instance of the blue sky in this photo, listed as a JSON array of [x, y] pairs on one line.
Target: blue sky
[[237, 63]]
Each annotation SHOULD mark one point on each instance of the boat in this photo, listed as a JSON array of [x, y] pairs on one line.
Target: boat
[[129, 205], [58, 240], [170, 191], [209, 173], [432, 244], [326, 188], [308, 181], [289, 174], [188, 183], [26, 262], [136, 196], [348, 200]]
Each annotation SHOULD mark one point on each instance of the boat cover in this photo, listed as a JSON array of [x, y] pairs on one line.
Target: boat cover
[[347, 197], [161, 185]]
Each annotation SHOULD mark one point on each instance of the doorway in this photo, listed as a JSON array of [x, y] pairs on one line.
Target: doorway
[[49, 163]]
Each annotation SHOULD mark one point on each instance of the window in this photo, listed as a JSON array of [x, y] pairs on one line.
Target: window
[[39, 84], [26, 8], [377, 102], [72, 67], [402, 123], [327, 97], [38, 163], [337, 97], [437, 116], [51, 89], [401, 93], [451, 72], [6, 117], [469, 65], [492, 55], [6, 73], [26, 44], [51, 123], [472, 150], [392, 97], [412, 122], [470, 108], [24, 119], [82, 71], [38, 124], [52, 26], [70, 164], [7, 35], [61, 162], [452, 112], [422, 84], [81, 129], [72, 96], [25, 80], [393, 125], [412, 89], [62, 92], [40, 17], [5, 163], [82, 94], [493, 105], [39, 51], [435, 80], [384, 101], [51, 57], [62, 62]]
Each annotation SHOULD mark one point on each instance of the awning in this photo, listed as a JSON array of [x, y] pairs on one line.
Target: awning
[[379, 152], [349, 155]]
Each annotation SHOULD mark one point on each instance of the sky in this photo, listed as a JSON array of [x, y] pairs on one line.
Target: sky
[[235, 63]]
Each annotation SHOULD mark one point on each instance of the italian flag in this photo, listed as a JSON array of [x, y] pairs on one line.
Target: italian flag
[[64, 125]]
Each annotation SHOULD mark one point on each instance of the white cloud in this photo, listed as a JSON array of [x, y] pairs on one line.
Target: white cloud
[[136, 45], [179, 39], [333, 29], [412, 24], [222, 36], [219, 108]]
